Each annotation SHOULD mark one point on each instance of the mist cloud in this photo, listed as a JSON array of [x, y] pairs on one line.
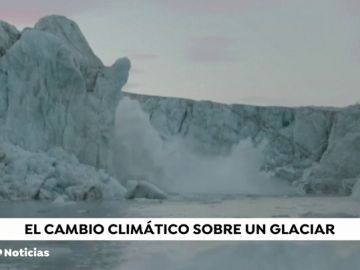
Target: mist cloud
[[140, 154]]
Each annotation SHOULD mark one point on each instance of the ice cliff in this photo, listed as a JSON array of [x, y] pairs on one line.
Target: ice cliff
[[57, 117], [54, 92], [314, 148]]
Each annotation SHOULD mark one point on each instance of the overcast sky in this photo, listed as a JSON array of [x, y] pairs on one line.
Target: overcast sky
[[267, 52]]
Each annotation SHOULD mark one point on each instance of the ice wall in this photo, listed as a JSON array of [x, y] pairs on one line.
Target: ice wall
[[140, 153], [314, 148], [55, 92]]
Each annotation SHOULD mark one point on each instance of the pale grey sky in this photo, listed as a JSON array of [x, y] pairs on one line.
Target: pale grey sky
[[267, 52]]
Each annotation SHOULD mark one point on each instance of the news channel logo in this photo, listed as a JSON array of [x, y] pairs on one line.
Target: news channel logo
[[24, 252]]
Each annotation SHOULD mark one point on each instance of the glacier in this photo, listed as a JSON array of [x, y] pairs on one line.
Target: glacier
[[60, 108], [314, 148], [54, 92]]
